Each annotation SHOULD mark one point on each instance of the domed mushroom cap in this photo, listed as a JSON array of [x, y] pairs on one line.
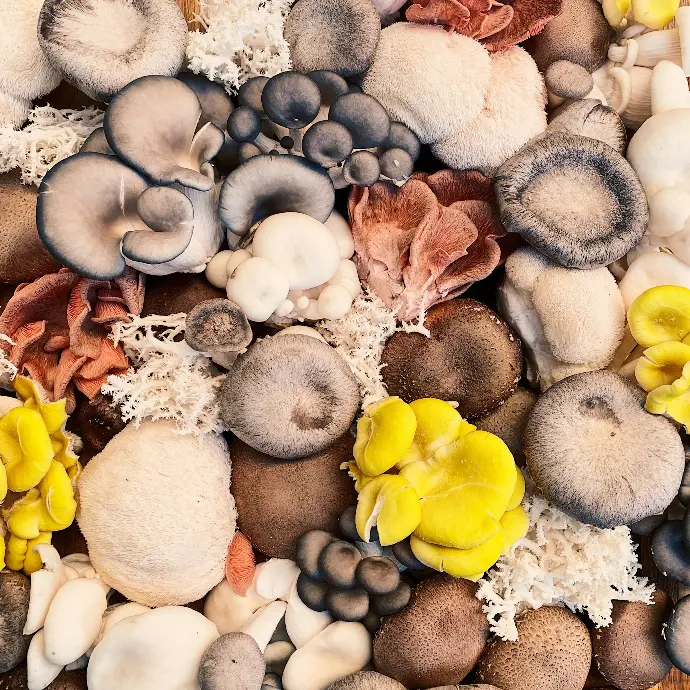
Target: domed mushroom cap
[[349, 605], [677, 634], [216, 105], [96, 143], [331, 85], [362, 168], [217, 325], [573, 198], [277, 502], [244, 124], [472, 357], [364, 116], [396, 164], [669, 552], [437, 639], [327, 143], [402, 137], [250, 92], [336, 35], [366, 680], [234, 660], [589, 118], [291, 99], [568, 79], [594, 452], [133, 40], [14, 604], [289, 397], [630, 652], [553, 652]]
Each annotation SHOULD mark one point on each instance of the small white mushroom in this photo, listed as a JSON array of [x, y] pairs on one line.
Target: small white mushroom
[[74, 620], [81, 563], [229, 610], [45, 584], [264, 622], [342, 233], [216, 269], [275, 578], [40, 672], [258, 286], [651, 269]]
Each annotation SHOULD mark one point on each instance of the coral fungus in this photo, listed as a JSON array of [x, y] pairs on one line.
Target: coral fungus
[[427, 241], [495, 24], [59, 329]]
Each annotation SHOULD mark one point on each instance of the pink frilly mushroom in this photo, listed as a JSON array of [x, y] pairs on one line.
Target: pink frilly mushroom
[[427, 241], [496, 25], [59, 329]]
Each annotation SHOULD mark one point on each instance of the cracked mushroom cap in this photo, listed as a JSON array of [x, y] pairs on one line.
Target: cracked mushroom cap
[[336, 35], [595, 452], [14, 604], [472, 357], [217, 325], [574, 199], [289, 397], [103, 45]]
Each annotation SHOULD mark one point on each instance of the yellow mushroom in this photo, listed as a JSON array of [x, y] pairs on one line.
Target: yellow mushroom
[[3, 482], [2, 553], [660, 314], [35, 398], [15, 552], [21, 554], [438, 424], [663, 365], [515, 524]]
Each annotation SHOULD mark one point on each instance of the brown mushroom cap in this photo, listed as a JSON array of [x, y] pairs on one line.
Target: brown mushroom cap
[[437, 638], [630, 653], [472, 357], [14, 605], [508, 421], [217, 325], [568, 79], [23, 257], [553, 652], [279, 501], [17, 679], [366, 680], [177, 293]]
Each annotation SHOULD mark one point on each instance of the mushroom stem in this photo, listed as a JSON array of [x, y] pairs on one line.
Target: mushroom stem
[[337, 177], [297, 135], [625, 83], [267, 145]]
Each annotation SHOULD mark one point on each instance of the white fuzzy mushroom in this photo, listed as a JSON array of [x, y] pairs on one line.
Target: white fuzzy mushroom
[[229, 610], [264, 622], [258, 286], [40, 672], [45, 584]]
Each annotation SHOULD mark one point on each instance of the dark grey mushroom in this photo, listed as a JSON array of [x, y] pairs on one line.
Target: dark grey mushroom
[[684, 492], [347, 604], [677, 635], [568, 79], [378, 575], [403, 553], [573, 198], [291, 99], [312, 592], [14, 605], [396, 164], [589, 118], [402, 137], [372, 622], [327, 143], [308, 550], [669, 552], [338, 563], [347, 524], [331, 85], [216, 105], [100, 46], [388, 604], [235, 661], [250, 92], [647, 526], [244, 126], [264, 185], [151, 125], [88, 206], [364, 116], [361, 168], [96, 143]]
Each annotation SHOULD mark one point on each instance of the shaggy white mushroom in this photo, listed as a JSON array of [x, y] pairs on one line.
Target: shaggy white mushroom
[[40, 672]]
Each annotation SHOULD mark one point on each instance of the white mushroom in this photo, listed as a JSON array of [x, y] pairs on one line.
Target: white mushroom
[[264, 622], [81, 563], [258, 286], [302, 330], [74, 620], [275, 578], [216, 272], [342, 233], [229, 610], [7, 403], [115, 614], [44, 586], [301, 623], [40, 672], [651, 269]]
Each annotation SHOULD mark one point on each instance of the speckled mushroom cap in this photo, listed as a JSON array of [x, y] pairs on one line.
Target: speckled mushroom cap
[[574, 199], [553, 652], [568, 79], [234, 661], [437, 638], [336, 35], [289, 397], [593, 450], [366, 680], [472, 357], [630, 653], [279, 501], [23, 257], [14, 605]]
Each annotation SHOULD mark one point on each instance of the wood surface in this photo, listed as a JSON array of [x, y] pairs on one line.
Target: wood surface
[[71, 540]]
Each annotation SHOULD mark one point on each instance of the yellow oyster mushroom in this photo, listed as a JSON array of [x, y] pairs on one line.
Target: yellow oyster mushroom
[[2, 553], [672, 400], [3, 482], [660, 314], [58, 494], [384, 434], [21, 554], [654, 14], [518, 492], [25, 448], [438, 424], [361, 479], [663, 364], [64, 446], [389, 503], [15, 552], [465, 488], [615, 11], [34, 397], [514, 525]]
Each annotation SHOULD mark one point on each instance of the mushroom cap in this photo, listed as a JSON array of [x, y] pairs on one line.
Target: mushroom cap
[[164, 537], [308, 549], [677, 634], [291, 99], [327, 143], [23, 257], [338, 562], [347, 524], [258, 287], [216, 105], [630, 653], [508, 422], [217, 325], [250, 92], [589, 118], [313, 593], [669, 552], [647, 526], [102, 46], [235, 661], [437, 639], [402, 137], [366, 680], [362, 168], [264, 185], [14, 604], [573, 198], [568, 79], [96, 143], [331, 85], [378, 575], [593, 425], [336, 35], [397, 600], [364, 116], [684, 491], [347, 604], [178, 293], [472, 357], [277, 502], [289, 397], [553, 652], [244, 124], [396, 164]]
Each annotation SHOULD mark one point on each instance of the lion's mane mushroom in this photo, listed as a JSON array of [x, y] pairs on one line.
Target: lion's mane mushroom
[[103, 45], [573, 198], [162, 648], [594, 425], [289, 397], [14, 604], [569, 320], [471, 357], [157, 513]]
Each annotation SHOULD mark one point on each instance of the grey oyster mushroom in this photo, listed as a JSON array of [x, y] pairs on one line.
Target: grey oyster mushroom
[[327, 143], [565, 79], [670, 552], [94, 214], [250, 93], [291, 100], [677, 635], [96, 143], [103, 45], [14, 604], [216, 105], [364, 116]]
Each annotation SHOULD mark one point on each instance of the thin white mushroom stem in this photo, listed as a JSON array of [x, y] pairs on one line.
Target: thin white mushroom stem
[[633, 48], [624, 81]]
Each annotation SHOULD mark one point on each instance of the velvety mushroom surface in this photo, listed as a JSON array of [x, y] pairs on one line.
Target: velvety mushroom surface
[[14, 605]]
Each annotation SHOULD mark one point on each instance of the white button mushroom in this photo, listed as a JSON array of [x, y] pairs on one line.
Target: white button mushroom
[[40, 672], [216, 272], [334, 302], [258, 286], [651, 269]]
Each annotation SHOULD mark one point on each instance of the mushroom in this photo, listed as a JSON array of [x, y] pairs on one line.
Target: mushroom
[[402, 137], [265, 185], [216, 105], [652, 269], [276, 577], [338, 563], [289, 397], [348, 605], [327, 143], [250, 92], [105, 206], [40, 671], [264, 622], [96, 143], [258, 287], [234, 660], [228, 610], [567, 80], [218, 327], [133, 41], [14, 604], [44, 586], [244, 126], [361, 168], [368, 680], [277, 654], [364, 116], [162, 648], [113, 615], [670, 553], [676, 635]]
